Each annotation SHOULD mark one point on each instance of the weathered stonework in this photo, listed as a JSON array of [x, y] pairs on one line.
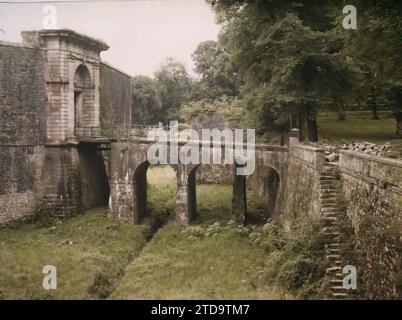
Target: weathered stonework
[[373, 192], [58, 109], [50, 143], [128, 181]]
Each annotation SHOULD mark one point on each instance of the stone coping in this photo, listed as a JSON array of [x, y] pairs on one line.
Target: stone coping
[[389, 161], [68, 33], [19, 45], [308, 148]]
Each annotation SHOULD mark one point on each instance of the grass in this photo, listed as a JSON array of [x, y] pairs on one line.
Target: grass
[[176, 265], [357, 127], [90, 253], [161, 191], [214, 201], [98, 258]]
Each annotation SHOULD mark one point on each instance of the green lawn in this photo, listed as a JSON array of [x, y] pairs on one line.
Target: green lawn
[[358, 126], [90, 253]]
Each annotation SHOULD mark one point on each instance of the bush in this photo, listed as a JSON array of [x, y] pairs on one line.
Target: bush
[[43, 216], [297, 263]]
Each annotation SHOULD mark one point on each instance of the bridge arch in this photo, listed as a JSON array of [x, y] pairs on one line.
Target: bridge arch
[[140, 187], [265, 184]]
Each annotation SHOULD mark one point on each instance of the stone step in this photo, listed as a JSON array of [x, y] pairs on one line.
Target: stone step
[[328, 184], [338, 288], [330, 216], [329, 211], [333, 269], [333, 251], [339, 295], [329, 192], [329, 201], [337, 281], [330, 223], [328, 196], [333, 245], [333, 236], [333, 257], [328, 178]]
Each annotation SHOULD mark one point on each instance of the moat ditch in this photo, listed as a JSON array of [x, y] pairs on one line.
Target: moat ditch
[[101, 258]]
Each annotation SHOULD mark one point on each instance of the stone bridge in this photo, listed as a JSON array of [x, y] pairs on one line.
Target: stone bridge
[[128, 185]]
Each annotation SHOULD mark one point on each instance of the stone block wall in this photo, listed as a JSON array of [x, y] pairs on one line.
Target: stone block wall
[[22, 129], [61, 179], [372, 188], [22, 95], [115, 98], [215, 174], [301, 192], [20, 181]]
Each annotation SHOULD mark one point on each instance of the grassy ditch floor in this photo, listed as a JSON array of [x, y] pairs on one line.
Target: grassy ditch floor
[[213, 262], [90, 253]]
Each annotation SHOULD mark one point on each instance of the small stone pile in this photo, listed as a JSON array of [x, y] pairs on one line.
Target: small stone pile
[[369, 148], [332, 151]]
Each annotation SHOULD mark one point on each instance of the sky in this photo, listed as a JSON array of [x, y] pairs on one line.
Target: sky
[[141, 33]]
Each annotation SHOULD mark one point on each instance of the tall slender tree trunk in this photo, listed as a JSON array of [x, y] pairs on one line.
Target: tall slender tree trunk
[[398, 111], [398, 118], [312, 124], [341, 111], [293, 122], [303, 128], [373, 103]]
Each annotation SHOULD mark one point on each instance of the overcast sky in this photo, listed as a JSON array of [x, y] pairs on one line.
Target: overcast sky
[[141, 34]]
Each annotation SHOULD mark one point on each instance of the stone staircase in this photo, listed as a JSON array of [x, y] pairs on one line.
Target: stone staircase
[[330, 193]]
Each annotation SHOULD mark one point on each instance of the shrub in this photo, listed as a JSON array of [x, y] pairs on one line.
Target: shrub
[[43, 216], [297, 263]]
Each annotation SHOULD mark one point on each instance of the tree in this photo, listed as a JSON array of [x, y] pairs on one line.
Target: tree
[[211, 61], [174, 85], [376, 48], [146, 104], [288, 57]]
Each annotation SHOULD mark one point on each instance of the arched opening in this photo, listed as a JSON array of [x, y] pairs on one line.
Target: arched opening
[[84, 115], [263, 188], [154, 193], [213, 190]]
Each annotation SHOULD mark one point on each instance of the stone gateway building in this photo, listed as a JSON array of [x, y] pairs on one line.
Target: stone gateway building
[[57, 97], [66, 140]]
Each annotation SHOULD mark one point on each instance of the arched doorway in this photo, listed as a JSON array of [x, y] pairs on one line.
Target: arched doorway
[[83, 100]]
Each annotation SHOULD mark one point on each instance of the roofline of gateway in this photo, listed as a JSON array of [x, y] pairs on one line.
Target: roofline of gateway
[[68, 33]]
